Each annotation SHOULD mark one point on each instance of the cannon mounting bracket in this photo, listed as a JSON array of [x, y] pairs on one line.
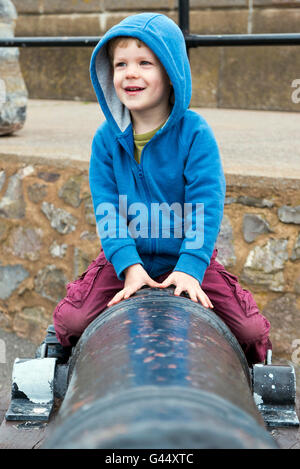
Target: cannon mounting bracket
[[274, 392], [32, 395]]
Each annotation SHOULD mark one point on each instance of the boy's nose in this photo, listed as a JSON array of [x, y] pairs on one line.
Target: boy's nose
[[132, 71]]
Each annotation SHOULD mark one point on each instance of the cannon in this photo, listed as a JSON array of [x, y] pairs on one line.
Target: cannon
[[157, 371]]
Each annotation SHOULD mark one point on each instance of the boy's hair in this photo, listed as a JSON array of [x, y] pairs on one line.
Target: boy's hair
[[121, 41]]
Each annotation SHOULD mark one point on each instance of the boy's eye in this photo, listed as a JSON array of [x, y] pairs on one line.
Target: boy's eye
[[145, 62], [120, 64]]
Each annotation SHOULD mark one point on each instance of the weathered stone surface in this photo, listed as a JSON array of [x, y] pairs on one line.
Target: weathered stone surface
[[26, 243], [12, 205], [30, 6], [253, 226], [10, 278], [50, 283], [70, 192], [4, 229], [88, 235], [8, 12], [59, 25], [218, 22], [60, 219], [258, 78], [275, 20], [81, 261], [288, 214], [31, 322], [297, 285], [264, 265], [58, 250], [284, 316], [37, 192], [296, 249], [13, 93], [48, 177], [70, 64], [89, 211], [2, 179], [254, 201], [151, 5], [224, 244]]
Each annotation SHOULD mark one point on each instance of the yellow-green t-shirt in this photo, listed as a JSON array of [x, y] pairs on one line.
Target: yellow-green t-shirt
[[140, 141]]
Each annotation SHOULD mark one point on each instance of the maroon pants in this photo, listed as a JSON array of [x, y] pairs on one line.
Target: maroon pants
[[88, 296]]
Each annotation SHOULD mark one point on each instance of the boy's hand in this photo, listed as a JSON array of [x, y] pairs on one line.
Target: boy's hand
[[185, 282], [135, 277]]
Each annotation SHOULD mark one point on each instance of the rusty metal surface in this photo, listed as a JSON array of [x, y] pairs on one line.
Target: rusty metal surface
[[158, 371]]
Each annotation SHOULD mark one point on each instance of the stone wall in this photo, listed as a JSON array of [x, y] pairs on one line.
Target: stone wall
[[13, 93], [227, 77], [48, 237]]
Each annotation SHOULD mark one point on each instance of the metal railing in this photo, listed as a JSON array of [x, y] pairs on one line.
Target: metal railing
[[192, 40]]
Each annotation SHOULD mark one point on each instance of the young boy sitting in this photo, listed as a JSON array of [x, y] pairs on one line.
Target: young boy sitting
[[154, 156]]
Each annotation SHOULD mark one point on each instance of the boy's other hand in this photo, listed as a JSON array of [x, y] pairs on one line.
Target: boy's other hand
[[189, 284], [135, 278]]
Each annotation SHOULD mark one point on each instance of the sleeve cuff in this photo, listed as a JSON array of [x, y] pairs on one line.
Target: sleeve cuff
[[123, 258], [191, 265]]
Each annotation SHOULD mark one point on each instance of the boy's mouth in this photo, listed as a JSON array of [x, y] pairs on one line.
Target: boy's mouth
[[133, 89]]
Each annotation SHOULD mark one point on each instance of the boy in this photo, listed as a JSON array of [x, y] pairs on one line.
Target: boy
[[154, 156]]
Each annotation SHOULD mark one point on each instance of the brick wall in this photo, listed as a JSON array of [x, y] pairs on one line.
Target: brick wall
[[231, 77]]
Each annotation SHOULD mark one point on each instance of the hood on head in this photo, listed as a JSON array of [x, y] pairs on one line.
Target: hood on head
[[165, 39]]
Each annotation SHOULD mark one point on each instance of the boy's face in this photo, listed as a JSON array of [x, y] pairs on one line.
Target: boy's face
[[140, 80]]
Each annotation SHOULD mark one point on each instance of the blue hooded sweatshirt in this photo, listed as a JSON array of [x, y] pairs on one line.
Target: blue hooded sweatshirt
[[164, 213]]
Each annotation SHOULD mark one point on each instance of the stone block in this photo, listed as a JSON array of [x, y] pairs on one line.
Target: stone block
[[8, 11], [50, 283], [58, 25], [268, 21], [218, 3], [141, 5], [10, 278], [29, 6], [219, 22], [281, 3], [13, 93], [58, 73], [259, 78], [72, 6], [205, 73]]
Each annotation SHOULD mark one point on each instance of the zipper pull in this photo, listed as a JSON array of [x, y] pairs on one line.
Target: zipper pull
[[141, 173]]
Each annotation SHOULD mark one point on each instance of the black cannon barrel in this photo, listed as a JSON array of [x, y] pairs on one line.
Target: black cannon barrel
[[158, 371]]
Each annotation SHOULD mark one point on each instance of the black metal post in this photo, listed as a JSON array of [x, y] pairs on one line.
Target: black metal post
[[184, 19]]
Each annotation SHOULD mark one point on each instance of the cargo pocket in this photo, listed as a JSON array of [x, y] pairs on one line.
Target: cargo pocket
[[78, 291], [244, 297]]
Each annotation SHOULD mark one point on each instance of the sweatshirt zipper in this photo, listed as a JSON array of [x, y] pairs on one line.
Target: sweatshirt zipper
[[147, 192]]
